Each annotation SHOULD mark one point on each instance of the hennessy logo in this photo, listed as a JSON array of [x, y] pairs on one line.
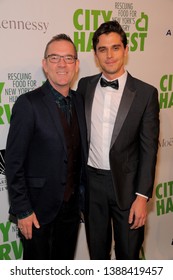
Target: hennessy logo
[[27, 25]]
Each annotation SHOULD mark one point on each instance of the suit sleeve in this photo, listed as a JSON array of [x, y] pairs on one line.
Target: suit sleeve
[[19, 137], [149, 135]]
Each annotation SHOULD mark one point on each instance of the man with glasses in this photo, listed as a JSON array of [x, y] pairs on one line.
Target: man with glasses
[[45, 158]]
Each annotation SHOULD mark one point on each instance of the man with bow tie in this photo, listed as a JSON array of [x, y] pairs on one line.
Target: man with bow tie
[[122, 115]]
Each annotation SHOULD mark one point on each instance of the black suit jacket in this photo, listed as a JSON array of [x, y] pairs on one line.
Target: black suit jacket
[[134, 143], [36, 154]]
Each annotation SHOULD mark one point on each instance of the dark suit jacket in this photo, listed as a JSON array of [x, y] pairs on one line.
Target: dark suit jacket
[[36, 154], [134, 142]]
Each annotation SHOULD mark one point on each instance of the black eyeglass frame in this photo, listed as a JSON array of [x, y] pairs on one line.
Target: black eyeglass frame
[[56, 58]]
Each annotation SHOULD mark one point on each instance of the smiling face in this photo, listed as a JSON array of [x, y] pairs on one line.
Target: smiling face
[[110, 54], [60, 74]]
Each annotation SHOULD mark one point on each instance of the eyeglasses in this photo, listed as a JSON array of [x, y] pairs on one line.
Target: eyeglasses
[[55, 58]]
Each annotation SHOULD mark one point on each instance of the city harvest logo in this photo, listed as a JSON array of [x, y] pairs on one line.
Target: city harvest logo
[[84, 21], [127, 16], [87, 21], [166, 91], [164, 198], [10, 249], [27, 25], [18, 83]]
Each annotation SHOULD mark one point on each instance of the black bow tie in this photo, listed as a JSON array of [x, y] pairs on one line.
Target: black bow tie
[[105, 83]]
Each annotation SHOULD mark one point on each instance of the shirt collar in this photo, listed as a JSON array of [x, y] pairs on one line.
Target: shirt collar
[[122, 79], [56, 94]]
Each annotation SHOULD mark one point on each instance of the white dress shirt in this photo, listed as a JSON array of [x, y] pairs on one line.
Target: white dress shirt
[[104, 111]]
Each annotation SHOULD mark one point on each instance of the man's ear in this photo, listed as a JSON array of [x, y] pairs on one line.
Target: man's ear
[[44, 65]]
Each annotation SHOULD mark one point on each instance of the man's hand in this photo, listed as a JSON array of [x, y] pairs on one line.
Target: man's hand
[[138, 212], [25, 225]]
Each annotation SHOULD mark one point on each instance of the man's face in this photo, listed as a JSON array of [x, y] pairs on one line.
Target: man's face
[[60, 74], [111, 54]]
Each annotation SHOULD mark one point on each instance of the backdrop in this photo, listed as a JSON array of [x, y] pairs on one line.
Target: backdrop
[[25, 29]]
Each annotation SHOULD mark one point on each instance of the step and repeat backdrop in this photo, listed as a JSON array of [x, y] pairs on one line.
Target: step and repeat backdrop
[[25, 29]]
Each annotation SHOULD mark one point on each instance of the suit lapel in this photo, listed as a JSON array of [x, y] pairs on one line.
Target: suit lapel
[[125, 104], [88, 102], [78, 105], [79, 112]]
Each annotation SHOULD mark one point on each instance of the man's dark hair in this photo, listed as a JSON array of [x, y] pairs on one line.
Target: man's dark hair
[[106, 28], [60, 37]]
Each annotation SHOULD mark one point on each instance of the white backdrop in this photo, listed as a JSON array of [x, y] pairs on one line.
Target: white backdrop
[[26, 27]]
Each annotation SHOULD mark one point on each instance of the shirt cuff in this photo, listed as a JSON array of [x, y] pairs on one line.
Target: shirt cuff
[[142, 195]]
